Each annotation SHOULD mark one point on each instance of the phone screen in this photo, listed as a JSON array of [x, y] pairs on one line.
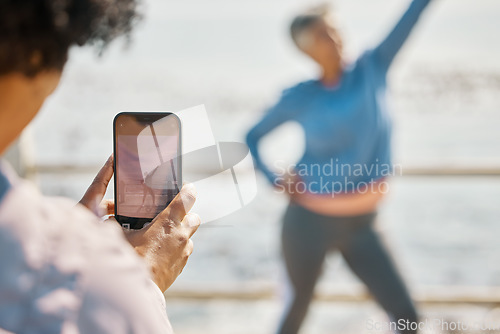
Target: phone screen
[[147, 165]]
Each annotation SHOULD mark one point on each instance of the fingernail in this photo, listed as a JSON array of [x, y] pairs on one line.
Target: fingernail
[[189, 187], [193, 221]]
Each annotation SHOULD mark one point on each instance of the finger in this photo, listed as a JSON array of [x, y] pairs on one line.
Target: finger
[[107, 207], [102, 178], [190, 247], [111, 219], [192, 221], [180, 205], [97, 189]]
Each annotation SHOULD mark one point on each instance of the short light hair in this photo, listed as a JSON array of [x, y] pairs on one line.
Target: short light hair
[[305, 20]]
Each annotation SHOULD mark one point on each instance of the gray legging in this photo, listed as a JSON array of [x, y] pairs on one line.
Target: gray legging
[[306, 239]]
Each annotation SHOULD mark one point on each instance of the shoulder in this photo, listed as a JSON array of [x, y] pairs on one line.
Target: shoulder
[[301, 87], [368, 63], [35, 222], [63, 260], [365, 58], [294, 96]]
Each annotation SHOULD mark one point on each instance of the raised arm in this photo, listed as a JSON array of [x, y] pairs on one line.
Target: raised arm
[[282, 112], [385, 52]]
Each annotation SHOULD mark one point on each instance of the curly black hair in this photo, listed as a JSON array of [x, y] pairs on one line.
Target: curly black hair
[[35, 35]]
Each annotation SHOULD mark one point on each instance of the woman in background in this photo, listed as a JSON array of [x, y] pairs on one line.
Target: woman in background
[[347, 129]]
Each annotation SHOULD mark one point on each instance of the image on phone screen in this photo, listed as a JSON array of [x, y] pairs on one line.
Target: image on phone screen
[[147, 164]]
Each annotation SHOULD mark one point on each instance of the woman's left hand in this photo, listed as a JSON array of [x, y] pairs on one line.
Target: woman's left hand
[[289, 185], [93, 198]]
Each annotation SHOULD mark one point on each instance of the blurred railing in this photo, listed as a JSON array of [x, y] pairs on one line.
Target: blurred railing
[[441, 171], [449, 295]]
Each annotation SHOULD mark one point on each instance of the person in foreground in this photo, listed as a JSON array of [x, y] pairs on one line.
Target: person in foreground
[[338, 183], [62, 270]]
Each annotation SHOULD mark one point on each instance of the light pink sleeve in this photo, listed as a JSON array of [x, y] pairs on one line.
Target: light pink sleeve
[[120, 297], [69, 273]]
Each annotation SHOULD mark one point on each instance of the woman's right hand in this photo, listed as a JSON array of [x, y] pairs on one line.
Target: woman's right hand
[[165, 244]]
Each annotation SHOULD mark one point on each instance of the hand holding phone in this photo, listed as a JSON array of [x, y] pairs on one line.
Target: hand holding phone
[[166, 243]]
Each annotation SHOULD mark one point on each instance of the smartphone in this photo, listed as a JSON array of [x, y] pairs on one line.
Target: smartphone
[[147, 163]]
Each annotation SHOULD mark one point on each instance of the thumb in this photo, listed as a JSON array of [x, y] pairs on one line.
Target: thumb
[[179, 206], [94, 194]]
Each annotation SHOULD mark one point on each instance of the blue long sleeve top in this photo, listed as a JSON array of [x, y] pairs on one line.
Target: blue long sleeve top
[[347, 128]]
